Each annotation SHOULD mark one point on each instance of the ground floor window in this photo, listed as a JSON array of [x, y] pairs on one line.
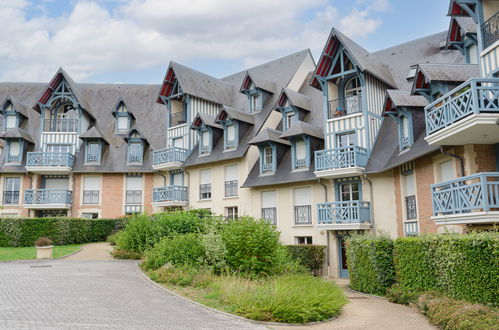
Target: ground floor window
[[90, 215], [303, 239], [231, 212]]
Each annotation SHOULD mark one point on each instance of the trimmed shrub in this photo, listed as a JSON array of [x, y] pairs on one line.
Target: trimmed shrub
[[370, 263], [16, 232], [252, 246], [462, 266], [308, 255], [178, 250], [215, 250], [400, 295]]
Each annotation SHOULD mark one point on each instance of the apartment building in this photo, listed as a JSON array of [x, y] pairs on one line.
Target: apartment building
[[402, 140]]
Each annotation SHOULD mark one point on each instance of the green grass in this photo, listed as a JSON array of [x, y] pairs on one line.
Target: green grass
[[26, 253], [296, 298]]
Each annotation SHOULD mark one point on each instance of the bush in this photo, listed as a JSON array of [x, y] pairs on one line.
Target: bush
[[215, 250], [462, 266], [370, 263], [183, 276], [400, 295], [142, 231], [123, 254], [178, 250], [288, 298], [308, 255], [16, 232], [252, 246], [456, 314], [111, 239]]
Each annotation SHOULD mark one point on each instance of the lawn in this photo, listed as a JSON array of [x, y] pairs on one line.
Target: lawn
[[26, 253]]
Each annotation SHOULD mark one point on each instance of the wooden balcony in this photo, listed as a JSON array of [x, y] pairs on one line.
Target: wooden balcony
[[170, 196], [469, 199], [350, 215], [48, 199], [49, 162], [339, 162], [466, 115]]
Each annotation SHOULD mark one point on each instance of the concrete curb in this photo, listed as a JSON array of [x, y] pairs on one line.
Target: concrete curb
[[147, 279], [68, 255]]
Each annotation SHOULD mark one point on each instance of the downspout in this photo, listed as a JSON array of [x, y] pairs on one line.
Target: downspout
[[461, 159], [371, 195], [327, 232]]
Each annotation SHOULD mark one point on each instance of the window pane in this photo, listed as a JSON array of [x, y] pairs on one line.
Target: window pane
[[122, 123], [268, 155], [301, 150], [177, 179], [345, 140], [10, 121], [205, 137], [14, 148], [231, 133]]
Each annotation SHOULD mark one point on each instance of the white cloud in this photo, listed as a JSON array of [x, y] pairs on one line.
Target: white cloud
[[140, 34]]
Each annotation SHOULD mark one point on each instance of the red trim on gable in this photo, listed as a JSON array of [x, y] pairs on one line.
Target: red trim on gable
[[455, 32], [325, 61], [246, 83], [197, 123], [222, 115], [389, 105], [167, 86], [48, 92], [282, 100]]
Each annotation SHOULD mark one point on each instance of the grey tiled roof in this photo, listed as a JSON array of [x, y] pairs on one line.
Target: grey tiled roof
[[401, 98], [302, 128], [297, 99], [92, 133], [449, 72], [16, 133], [20, 107], [268, 135], [238, 115], [261, 82], [207, 120]]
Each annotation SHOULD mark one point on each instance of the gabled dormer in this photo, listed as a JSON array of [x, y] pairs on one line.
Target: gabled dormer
[[94, 146], [401, 106], [17, 141], [272, 149], [258, 90], [304, 139], [293, 107], [235, 124], [462, 36], [434, 80], [173, 97], [123, 118], [136, 147], [209, 132], [13, 112]]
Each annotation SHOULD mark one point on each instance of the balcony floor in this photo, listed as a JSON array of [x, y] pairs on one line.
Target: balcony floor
[[49, 169], [47, 206], [167, 166], [481, 217], [345, 226], [475, 129], [170, 204], [340, 172]]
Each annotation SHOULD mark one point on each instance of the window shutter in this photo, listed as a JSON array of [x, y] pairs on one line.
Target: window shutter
[[301, 150], [91, 183], [231, 173], [231, 132], [205, 176], [302, 196], [14, 148], [122, 123], [134, 182], [410, 188], [268, 199], [10, 121]]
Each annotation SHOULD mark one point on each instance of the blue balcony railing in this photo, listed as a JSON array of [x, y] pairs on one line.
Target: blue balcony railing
[[490, 30], [50, 159], [473, 193], [337, 158], [48, 196], [344, 212], [169, 155], [169, 194], [475, 96]]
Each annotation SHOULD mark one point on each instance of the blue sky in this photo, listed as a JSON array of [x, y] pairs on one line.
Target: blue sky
[[133, 41]]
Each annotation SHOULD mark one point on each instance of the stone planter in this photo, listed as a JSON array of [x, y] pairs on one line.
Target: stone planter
[[44, 252]]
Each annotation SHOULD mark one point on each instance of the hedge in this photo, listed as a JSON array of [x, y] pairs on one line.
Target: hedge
[[308, 255], [465, 267], [25, 231], [370, 263]]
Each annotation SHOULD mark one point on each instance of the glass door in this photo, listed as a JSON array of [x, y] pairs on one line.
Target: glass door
[[342, 255]]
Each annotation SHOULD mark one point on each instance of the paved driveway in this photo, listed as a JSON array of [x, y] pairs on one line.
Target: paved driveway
[[95, 294]]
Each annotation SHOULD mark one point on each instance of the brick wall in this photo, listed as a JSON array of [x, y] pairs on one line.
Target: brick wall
[[485, 158]]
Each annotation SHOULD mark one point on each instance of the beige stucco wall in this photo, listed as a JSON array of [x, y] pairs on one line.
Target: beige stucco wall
[[307, 65], [490, 7], [383, 203]]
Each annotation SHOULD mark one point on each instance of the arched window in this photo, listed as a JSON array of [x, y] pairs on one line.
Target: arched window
[[352, 93], [352, 87]]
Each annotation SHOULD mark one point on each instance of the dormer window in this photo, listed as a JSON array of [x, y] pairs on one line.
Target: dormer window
[[93, 152], [230, 136], [300, 153], [9, 116], [123, 119], [205, 143], [405, 128], [268, 159], [255, 101], [15, 151], [289, 118], [135, 148]]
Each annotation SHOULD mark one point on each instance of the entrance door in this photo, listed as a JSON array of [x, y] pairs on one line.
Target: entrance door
[[342, 254]]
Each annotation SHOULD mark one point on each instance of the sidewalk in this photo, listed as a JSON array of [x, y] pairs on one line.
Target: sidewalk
[[93, 251]]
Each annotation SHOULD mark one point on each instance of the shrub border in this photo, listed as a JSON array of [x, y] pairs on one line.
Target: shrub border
[[241, 318]]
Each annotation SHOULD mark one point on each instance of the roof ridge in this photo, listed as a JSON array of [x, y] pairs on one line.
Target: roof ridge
[[408, 42]]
